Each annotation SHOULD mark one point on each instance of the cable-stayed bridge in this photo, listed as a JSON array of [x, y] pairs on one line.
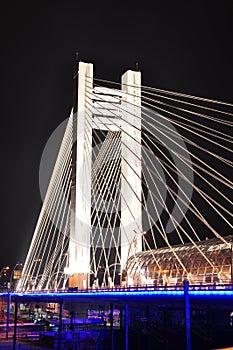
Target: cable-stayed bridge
[[140, 193]]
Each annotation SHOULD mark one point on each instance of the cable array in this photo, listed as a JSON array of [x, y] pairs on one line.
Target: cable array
[[47, 255], [186, 167]]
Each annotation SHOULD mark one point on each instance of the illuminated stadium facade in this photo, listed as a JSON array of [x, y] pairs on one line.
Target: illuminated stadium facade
[[206, 262]]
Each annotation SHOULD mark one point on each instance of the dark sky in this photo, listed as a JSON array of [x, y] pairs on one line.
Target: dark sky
[[184, 48]]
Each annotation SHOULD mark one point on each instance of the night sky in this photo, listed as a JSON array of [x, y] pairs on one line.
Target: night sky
[[182, 48]]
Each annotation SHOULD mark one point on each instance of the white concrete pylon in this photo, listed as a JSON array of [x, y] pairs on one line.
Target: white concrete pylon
[[79, 246], [131, 187]]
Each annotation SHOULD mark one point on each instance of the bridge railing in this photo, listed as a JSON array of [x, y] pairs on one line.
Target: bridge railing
[[180, 287]]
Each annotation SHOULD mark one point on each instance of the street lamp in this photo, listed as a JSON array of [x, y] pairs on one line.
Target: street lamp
[[144, 240], [138, 234]]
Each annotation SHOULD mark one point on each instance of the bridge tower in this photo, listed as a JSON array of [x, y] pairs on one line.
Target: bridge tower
[[101, 109]]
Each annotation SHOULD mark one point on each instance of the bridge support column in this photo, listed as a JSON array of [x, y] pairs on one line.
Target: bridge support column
[[187, 315], [79, 246], [15, 325], [126, 327], [131, 208], [60, 325], [8, 314], [112, 326]]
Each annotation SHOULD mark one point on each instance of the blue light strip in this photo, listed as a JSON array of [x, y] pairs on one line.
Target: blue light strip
[[97, 294], [211, 292], [123, 293]]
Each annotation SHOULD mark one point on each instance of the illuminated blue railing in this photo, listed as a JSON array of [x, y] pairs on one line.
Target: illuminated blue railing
[[150, 291]]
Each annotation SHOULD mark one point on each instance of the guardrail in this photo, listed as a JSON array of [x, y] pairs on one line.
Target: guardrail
[[200, 287]]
